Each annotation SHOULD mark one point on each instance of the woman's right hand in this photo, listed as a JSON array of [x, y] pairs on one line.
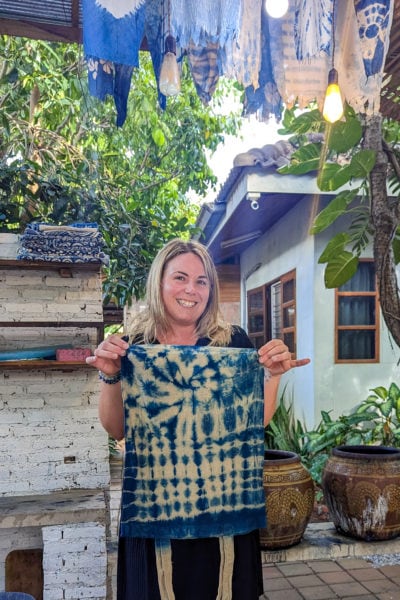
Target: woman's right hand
[[107, 356]]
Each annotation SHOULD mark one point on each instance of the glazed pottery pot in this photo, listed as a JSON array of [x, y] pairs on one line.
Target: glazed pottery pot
[[289, 499], [361, 486]]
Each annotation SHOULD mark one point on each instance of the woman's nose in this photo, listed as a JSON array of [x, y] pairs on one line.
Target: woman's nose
[[189, 287]]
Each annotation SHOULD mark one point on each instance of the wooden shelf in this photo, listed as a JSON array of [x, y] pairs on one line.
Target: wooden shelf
[[21, 365], [64, 268]]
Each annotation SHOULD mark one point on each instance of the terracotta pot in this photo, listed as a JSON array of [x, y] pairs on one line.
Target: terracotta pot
[[289, 499], [361, 487]]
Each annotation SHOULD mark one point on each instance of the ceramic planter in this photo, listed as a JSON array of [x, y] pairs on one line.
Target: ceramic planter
[[361, 486], [289, 499]]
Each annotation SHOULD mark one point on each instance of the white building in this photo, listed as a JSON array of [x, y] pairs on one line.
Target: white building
[[260, 222]]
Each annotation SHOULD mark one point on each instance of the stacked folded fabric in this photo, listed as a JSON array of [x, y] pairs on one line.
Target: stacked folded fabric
[[78, 242]]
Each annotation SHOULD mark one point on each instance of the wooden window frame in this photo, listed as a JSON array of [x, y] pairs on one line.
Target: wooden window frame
[[375, 327], [265, 310]]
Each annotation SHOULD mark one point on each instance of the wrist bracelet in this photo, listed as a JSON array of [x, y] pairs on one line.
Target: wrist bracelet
[[267, 374], [110, 379]]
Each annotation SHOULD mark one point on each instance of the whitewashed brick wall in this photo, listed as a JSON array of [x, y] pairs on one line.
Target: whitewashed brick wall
[[37, 295], [75, 562], [51, 439], [50, 435]]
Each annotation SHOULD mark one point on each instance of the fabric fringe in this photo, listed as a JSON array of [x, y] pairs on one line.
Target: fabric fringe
[[206, 21], [164, 568], [227, 552]]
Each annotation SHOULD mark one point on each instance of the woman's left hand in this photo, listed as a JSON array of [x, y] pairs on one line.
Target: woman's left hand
[[276, 357]]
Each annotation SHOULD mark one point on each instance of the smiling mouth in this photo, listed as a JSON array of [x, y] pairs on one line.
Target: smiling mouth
[[186, 303]]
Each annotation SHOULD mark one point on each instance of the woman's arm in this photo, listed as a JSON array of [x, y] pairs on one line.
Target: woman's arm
[[270, 397], [107, 359], [276, 359], [111, 409]]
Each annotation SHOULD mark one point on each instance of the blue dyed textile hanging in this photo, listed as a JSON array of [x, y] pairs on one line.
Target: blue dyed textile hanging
[[113, 30], [265, 99], [112, 34], [194, 442], [206, 21], [374, 20], [313, 27]]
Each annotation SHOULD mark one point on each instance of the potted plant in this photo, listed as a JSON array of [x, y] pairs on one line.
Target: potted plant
[[361, 482]]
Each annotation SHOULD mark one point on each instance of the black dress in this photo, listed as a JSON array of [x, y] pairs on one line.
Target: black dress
[[195, 562]]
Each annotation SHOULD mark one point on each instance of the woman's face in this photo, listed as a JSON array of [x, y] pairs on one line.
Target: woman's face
[[185, 289]]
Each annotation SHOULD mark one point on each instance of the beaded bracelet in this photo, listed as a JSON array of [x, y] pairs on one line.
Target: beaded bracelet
[[110, 379]]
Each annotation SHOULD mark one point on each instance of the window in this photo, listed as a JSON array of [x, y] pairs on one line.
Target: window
[[357, 317], [271, 312]]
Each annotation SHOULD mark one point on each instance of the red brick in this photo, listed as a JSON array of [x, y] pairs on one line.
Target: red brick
[[72, 354]]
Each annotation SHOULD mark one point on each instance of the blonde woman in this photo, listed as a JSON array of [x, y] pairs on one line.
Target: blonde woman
[[182, 309]]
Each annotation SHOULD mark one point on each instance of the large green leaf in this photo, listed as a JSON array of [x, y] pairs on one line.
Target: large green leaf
[[334, 247], [335, 209], [307, 121], [305, 159], [333, 176], [362, 163], [344, 135], [340, 269]]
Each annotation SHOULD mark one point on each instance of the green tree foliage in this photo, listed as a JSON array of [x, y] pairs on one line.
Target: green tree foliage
[[62, 158]]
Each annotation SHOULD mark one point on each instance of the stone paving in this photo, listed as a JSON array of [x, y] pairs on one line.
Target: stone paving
[[352, 578], [327, 566]]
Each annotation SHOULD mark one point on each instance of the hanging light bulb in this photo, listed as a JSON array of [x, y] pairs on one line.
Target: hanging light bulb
[[169, 82], [333, 104], [276, 8]]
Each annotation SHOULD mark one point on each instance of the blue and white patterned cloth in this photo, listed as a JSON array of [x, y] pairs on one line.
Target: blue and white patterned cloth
[[194, 442], [288, 62], [374, 20], [75, 243]]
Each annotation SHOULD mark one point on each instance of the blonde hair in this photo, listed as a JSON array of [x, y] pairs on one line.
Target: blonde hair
[[153, 319]]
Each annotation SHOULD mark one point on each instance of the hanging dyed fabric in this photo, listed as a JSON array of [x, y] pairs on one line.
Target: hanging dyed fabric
[[207, 31], [264, 98], [194, 438], [112, 34], [198, 22], [243, 60], [374, 19], [313, 28]]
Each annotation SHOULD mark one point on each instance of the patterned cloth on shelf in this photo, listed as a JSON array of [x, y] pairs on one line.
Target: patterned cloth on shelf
[[79, 242], [194, 439]]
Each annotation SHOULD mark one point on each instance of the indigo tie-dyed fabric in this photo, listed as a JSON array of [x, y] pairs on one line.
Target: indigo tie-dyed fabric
[[112, 35], [374, 19], [194, 442], [75, 243]]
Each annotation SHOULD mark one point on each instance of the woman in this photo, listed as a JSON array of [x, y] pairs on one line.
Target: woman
[[183, 310]]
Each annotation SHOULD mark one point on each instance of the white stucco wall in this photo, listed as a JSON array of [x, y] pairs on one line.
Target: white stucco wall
[[285, 247], [323, 385]]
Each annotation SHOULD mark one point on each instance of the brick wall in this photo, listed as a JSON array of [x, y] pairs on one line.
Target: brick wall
[[74, 562], [50, 435], [52, 445]]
